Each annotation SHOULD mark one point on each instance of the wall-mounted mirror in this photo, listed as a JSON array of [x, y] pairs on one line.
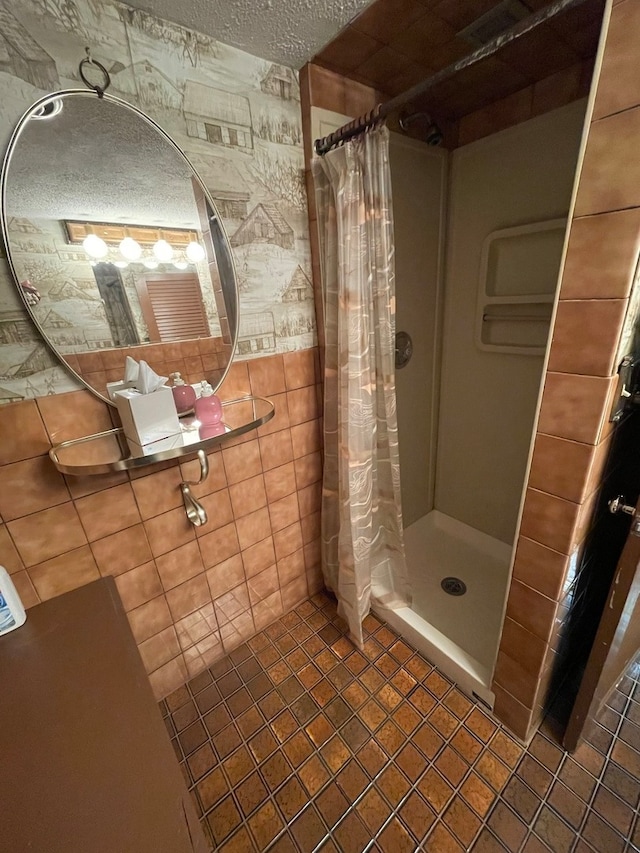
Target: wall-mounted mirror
[[115, 244]]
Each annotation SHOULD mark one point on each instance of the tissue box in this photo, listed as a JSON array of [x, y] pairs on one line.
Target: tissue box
[[186, 437], [114, 387], [147, 417]]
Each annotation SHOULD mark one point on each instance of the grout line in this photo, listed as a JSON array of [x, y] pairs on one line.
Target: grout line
[[285, 634]]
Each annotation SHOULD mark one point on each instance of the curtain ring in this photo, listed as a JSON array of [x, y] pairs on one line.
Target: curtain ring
[[100, 90], [374, 116]]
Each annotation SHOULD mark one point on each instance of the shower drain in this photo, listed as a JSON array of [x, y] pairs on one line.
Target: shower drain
[[453, 586]]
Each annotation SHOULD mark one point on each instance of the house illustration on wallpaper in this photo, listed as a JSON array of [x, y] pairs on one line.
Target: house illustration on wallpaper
[[68, 289], [265, 224], [54, 320], [227, 186], [144, 80], [281, 82], [22, 56], [231, 203], [299, 288], [256, 333], [15, 328], [21, 224], [217, 117], [71, 253], [37, 360]]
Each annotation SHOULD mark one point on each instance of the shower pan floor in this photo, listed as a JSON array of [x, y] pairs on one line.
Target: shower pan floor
[[438, 546]]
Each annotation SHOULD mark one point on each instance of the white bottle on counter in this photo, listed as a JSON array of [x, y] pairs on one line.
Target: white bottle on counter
[[12, 613]]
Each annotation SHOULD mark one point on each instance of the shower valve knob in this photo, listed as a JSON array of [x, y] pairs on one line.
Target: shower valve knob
[[404, 349]]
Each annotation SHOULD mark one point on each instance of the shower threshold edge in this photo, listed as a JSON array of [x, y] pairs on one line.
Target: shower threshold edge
[[469, 674]]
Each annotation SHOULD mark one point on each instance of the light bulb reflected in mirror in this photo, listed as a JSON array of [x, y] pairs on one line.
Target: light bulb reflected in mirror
[[95, 246], [163, 251], [180, 265], [150, 264], [130, 249], [122, 265], [195, 252]]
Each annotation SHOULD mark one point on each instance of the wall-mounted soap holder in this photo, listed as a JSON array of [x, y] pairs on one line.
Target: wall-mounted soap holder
[[106, 452], [519, 269]]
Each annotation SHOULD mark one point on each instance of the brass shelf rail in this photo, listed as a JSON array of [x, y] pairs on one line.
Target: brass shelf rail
[[106, 452]]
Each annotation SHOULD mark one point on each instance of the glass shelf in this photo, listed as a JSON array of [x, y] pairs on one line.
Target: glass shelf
[[108, 451]]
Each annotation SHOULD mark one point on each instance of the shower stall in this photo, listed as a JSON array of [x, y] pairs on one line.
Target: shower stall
[[479, 235]]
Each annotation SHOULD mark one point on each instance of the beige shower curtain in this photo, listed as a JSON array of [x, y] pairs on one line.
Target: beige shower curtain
[[362, 544]]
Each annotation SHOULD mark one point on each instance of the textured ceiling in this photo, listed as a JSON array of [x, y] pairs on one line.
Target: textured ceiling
[[101, 162], [286, 31]]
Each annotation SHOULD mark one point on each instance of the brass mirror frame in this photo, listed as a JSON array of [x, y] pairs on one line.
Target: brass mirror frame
[[4, 224]]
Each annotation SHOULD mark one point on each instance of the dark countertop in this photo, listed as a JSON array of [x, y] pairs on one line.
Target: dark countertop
[[86, 764]]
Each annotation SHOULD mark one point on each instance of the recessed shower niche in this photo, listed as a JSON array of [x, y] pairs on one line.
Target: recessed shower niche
[[518, 277]]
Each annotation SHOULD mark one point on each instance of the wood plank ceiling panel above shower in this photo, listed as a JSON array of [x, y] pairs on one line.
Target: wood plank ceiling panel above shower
[[395, 44]]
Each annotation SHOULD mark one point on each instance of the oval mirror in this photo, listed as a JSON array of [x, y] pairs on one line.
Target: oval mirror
[[115, 244]]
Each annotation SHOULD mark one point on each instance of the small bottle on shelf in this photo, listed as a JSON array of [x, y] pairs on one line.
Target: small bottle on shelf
[[184, 395], [208, 409]]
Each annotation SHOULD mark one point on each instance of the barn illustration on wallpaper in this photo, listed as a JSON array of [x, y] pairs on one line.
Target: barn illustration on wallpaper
[[15, 328], [21, 56], [281, 82], [149, 83], [299, 288], [218, 117], [265, 224]]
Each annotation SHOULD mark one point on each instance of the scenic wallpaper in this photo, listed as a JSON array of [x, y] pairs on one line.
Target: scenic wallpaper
[[236, 117]]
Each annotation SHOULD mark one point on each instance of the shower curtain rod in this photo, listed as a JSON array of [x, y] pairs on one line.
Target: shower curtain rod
[[381, 111]]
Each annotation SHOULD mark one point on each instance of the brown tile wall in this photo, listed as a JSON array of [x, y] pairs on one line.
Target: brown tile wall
[[195, 360], [192, 595], [552, 92], [396, 44], [573, 432]]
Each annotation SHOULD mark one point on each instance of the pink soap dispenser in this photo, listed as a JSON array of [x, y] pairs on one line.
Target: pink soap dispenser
[[183, 395], [208, 410]]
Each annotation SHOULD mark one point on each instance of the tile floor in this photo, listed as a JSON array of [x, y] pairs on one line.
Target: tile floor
[[297, 741]]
